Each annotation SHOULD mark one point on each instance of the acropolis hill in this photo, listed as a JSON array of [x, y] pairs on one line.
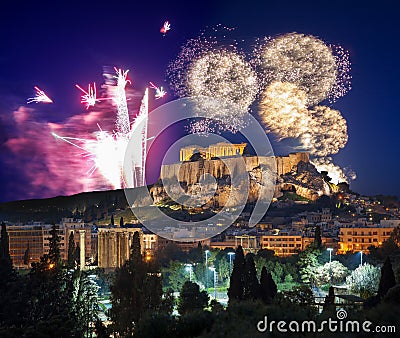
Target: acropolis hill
[[294, 171]]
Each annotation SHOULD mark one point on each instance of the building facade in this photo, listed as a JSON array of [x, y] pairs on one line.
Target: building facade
[[355, 239]]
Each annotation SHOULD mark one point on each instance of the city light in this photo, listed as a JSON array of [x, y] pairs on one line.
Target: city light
[[215, 281], [230, 254], [189, 268]]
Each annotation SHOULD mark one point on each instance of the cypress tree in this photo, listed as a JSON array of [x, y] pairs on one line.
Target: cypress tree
[[268, 288], [27, 253], [235, 291], [251, 286], [112, 220], [6, 267], [121, 222], [54, 255], [317, 237], [71, 251], [387, 280]]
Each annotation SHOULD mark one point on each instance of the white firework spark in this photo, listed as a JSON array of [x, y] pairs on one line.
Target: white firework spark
[[107, 150], [39, 97], [224, 75], [122, 124], [328, 131], [283, 110], [343, 79], [207, 67], [300, 59], [89, 97]]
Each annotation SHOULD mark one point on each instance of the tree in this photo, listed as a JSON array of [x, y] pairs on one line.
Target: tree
[[251, 286], [268, 288], [236, 285], [136, 290], [387, 280], [54, 255], [112, 220], [308, 264], [334, 269], [317, 237], [191, 298], [6, 266], [175, 275], [27, 254], [121, 222], [71, 251], [364, 280]]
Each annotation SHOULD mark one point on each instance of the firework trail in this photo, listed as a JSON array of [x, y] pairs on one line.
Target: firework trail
[[160, 93], [39, 97], [89, 98], [122, 124]]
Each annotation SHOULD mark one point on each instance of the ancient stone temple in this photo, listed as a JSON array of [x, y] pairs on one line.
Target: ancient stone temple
[[221, 149], [114, 245]]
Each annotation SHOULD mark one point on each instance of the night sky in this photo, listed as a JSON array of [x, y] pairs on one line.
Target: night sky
[[56, 45]]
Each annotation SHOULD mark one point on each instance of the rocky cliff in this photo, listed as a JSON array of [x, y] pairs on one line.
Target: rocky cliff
[[289, 173]]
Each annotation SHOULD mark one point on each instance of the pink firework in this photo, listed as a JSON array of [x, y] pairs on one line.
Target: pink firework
[[165, 28]]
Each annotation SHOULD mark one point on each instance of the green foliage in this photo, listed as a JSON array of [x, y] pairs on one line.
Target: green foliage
[[308, 264], [191, 298], [364, 280], [174, 276]]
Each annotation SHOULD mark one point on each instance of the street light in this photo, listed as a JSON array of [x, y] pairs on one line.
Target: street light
[[215, 281], [330, 264], [206, 252], [189, 267], [230, 254], [361, 257]]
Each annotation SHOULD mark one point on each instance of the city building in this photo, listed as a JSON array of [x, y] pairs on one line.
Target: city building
[[27, 243], [289, 243], [360, 238]]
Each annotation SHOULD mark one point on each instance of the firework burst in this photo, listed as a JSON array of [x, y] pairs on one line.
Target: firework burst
[[328, 131], [283, 110], [305, 61], [209, 66]]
